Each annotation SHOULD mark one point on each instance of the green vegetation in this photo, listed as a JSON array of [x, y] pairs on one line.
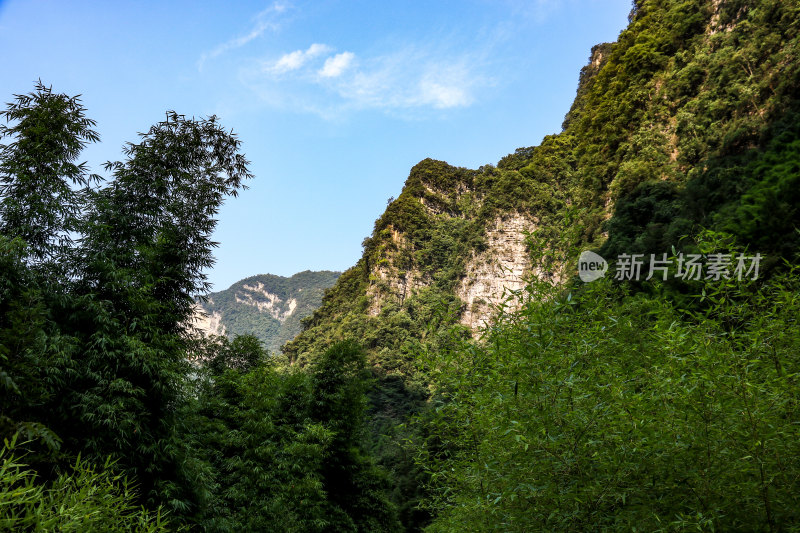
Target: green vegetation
[[83, 499], [107, 424], [597, 409], [688, 121], [270, 307], [610, 406], [92, 325], [280, 449]]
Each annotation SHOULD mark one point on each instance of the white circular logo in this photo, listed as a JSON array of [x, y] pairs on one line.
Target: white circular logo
[[591, 266]]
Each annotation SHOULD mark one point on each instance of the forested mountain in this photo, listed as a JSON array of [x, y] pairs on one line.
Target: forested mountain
[[459, 377], [267, 306], [683, 130], [689, 120]]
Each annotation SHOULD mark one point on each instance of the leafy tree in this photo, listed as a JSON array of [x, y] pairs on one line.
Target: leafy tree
[[97, 357], [42, 190], [146, 243], [282, 446], [603, 410], [241, 354], [85, 498], [24, 355], [155, 220], [355, 487]]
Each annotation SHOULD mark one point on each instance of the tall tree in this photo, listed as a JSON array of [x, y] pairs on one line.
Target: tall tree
[[156, 218], [43, 194], [147, 240], [42, 189], [356, 487]]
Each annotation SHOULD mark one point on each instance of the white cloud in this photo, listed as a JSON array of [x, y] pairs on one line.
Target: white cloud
[[403, 82], [291, 61], [265, 20], [336, 65], [444, 71], [298, 58]]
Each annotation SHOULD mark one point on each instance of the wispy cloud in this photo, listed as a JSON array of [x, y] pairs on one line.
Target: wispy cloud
[[263, 21], [399, 82], [443, 96], [408, 78]]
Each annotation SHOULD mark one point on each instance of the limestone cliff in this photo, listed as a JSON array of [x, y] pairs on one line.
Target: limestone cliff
[[207, 323], [494, 275], [447, 252]]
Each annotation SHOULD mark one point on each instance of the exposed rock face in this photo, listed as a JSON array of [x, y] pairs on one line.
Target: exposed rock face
[[715, 24], [271, 303], [492, 276], [400, 286], [207, 323]]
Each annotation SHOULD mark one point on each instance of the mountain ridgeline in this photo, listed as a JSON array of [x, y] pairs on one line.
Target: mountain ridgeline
[[267, 306]]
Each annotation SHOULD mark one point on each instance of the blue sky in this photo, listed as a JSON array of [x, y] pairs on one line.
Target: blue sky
[[334, 100]]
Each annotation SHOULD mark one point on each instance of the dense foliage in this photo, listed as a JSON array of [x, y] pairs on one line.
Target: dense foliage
[[597, 409], [93, 325], [687, 121], [281, 448], [82, 499], [633, 406], [114, 412]]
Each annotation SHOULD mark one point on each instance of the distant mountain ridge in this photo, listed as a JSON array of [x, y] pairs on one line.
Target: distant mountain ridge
[[268, 306]]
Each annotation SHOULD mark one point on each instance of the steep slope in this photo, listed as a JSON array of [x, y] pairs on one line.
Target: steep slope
[[267, 306], [689, 120]]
